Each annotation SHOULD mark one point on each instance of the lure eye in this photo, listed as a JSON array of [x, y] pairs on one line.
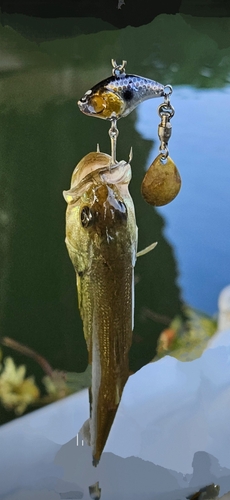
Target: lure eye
[[86, 217]]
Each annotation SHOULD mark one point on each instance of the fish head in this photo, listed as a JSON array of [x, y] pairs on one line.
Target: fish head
[[100, 210], [102, 103]]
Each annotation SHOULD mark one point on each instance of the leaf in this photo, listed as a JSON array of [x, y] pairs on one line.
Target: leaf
[[78, 381], [61, 384], [186, 339]]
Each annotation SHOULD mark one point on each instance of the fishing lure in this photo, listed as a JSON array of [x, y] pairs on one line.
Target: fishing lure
[[116, 97], [101, 239], [162, 181]]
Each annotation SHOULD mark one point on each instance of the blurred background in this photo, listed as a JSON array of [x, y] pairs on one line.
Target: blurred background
[[44, 70]]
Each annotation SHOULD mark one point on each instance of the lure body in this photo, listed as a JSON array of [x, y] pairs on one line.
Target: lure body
[[101, 238], [117, 96]]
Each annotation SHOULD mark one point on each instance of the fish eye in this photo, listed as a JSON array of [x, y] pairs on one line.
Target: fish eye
[[86, 216]]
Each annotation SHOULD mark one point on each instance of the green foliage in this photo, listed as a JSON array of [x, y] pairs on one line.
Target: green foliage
[[17, 392], [186, 339]]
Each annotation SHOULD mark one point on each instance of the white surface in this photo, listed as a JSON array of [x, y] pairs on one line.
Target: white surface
[[29, 444], [169, 411], [224, 309]]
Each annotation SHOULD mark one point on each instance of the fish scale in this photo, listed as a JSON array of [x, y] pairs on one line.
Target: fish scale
[[113, 328]]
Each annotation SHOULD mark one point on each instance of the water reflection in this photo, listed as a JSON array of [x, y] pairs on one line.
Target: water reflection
[[95, 491], [197, 221], [205, 493]]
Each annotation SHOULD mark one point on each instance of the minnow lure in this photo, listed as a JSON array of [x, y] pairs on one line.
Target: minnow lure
[[118, 95], [101, 238]]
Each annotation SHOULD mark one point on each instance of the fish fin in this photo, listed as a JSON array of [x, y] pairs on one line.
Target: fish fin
[[71, 195], [95, 461], [147, 249], [130, 155]]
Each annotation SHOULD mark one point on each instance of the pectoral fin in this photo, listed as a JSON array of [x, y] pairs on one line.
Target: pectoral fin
[[147, 249]]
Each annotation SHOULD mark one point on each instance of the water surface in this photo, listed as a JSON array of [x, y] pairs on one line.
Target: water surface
[[198, 220]]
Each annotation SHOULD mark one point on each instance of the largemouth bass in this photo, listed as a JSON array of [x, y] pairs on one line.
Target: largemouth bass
[[101, 238], [117, 96]]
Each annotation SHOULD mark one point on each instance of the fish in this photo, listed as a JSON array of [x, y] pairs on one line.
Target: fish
[[207, 492], [101, 239], [118, 95]]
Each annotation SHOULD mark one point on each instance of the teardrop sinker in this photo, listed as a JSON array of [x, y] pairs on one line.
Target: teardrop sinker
[[161, 183]]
